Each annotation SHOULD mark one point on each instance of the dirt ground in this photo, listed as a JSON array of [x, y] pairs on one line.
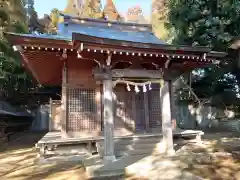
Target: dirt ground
[[217, 158], [18, 161]]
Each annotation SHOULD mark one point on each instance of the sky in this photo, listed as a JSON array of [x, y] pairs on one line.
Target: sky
[[45, 6]]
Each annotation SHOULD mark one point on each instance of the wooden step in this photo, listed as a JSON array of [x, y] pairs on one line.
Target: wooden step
[[129, 141]]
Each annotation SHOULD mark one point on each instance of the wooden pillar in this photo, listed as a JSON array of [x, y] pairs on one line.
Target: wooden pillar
[[50, 121], [64, 104], [166, 118], [134, 111], [99, 106], [146, 110], [108, 120], [173, 107]]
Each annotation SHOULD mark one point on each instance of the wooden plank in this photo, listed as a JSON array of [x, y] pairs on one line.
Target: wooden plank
[[141, 73]]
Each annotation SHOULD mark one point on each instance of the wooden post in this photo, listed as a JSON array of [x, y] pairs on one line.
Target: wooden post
[[108, 120], [166, 118], [146, 110], [134, 112], [64, 105], [173, 107], [50, 116], [99, 106]]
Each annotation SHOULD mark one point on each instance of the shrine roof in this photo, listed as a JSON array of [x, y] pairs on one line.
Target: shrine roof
[[139, 33], [41, 36], [118, 31]]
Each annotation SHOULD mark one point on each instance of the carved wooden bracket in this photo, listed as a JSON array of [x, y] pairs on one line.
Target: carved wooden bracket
[[102, 73]]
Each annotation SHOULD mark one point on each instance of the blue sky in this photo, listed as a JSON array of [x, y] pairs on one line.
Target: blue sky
[[45, 6]]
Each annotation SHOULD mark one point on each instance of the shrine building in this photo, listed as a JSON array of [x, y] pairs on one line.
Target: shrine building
[[116, 78]]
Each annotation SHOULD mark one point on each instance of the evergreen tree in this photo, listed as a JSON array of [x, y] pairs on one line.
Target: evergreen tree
[[74, 7], [92, 9], [110, 12], [159, 18], [211, 23], [12, 75], [135, 14], [84, 8]]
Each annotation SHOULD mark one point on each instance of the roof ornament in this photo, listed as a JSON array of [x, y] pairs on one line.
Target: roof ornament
[[204, 56], [136, 89]]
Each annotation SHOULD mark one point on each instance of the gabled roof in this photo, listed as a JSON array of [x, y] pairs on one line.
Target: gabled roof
[[132, 32], [97, 38], [109, 33], [113, 30]]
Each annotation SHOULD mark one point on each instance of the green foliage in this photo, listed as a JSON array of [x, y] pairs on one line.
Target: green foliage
[[13, 19], [211, 23], [204, 22], [55, 17]]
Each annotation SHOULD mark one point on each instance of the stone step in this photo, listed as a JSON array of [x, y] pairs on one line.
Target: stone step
[[132, 146], [130, 151], [135, 152], [93, 159], [116, 168]]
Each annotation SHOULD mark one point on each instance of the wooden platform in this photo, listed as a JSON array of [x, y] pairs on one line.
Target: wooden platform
[[55, 138]]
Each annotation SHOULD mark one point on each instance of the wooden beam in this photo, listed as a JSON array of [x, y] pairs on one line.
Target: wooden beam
[[101, 57], [139, 73], [125, 44]]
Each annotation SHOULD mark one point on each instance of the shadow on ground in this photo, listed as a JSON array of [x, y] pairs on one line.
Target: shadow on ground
[[18, 160]]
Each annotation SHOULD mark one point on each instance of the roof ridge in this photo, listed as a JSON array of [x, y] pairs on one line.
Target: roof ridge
[[68, 17]]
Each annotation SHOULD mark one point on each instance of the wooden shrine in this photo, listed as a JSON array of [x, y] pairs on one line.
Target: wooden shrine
[[116, 77]]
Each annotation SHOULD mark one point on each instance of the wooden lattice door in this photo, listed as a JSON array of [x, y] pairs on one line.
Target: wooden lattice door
[[140, 124], [154, 109], [82, 110]]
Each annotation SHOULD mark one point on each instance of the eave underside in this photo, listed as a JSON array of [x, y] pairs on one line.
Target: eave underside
[[43, 57]]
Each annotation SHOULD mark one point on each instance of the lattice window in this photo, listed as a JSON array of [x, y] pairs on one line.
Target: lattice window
[[140, 111], [154, 109], [82, 110]]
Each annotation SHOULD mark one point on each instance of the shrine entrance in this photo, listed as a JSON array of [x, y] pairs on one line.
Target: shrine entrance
[[137, 112]]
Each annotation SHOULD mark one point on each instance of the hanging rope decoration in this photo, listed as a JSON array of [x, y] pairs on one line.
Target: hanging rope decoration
[[145, 86]]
